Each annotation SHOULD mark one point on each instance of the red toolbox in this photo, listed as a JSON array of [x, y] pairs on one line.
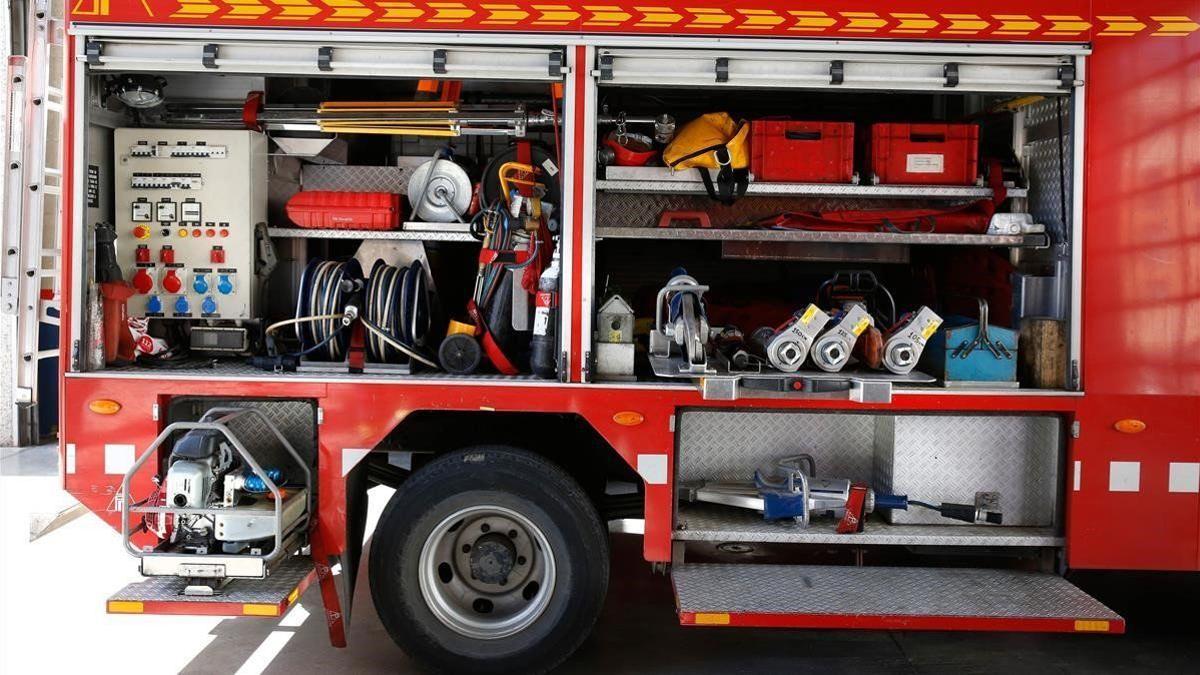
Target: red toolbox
[[345, 210], [925, 154], [802, 152]]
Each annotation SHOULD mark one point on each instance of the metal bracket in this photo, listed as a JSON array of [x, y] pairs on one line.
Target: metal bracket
[[439, 61], [950, 71], [325, 59], [94, 49], [1066, 76], [210, 55], [722, 69], [837, 72], [606, 67], [556, 64]]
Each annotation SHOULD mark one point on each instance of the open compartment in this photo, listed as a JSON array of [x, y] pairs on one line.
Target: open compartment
[[934, 191], [1010, 465], [384, 210]]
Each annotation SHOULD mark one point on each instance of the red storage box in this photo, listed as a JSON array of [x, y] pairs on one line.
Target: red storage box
[[802, 152], [925, 154], [320, 209]]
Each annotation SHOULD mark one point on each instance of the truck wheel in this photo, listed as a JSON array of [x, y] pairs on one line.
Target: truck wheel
[[489, 559]]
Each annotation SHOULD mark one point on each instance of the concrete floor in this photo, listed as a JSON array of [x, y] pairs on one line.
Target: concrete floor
[[52, 619]]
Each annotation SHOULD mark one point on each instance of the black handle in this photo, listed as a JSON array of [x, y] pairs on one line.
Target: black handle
[[927, 138], [802, 135]]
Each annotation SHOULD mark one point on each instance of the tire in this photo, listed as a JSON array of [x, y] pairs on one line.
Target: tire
[[504, 605]]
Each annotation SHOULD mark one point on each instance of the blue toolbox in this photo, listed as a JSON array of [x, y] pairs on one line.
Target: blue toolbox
[[967, 351]]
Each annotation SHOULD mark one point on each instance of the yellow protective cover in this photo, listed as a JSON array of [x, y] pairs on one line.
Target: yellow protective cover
[[695, 145]]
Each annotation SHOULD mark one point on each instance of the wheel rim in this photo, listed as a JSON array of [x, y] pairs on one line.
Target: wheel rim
[[487, 572]]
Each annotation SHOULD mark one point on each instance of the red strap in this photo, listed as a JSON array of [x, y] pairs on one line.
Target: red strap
[[490, 347], [250, 110], [356, 355], [855, 504]]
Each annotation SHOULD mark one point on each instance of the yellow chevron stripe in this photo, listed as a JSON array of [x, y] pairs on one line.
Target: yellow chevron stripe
[[195, 9], [811, 22], [862, 22], [450, 12], [244, 9], [657, 16], [347, 10], [295, 10], [554, 15], [708, 17], [1174, 26], [504, 14], [1066, 25], [397, 12], [911, 24], [1121, 25], [759, 19], [1015, 24], [964, 24], [606, 15]]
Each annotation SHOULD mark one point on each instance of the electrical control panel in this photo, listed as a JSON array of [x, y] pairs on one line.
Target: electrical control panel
[[187, 203]]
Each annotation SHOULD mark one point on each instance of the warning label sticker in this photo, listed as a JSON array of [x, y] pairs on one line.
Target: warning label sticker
[[925, 164]]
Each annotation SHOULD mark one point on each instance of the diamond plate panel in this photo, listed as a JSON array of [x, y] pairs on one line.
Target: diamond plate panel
[[710, 522], [643, 210], [886, 591], [294, 419], [721, 445], [949, 457], [355, 178], [1042, 168], [272, 590]]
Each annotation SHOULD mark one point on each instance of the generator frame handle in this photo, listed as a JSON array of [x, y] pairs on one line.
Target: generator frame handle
[[220, 426]]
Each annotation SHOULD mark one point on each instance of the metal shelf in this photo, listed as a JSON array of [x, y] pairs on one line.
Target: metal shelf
[[681, 186], [750, 234], [710, 522], [403, 235]]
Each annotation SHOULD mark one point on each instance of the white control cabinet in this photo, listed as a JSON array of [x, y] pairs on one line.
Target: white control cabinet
[[187, 202]]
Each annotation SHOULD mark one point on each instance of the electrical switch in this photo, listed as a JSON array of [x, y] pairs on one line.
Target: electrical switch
[[217, 255], [200, 284], [224, 284], [181, 305], [142, 281], [154, 305], [209, 306], [166, 255], [171, 283], [142, 254], [141, 232]]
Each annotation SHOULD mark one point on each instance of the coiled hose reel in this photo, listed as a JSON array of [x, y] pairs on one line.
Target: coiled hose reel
[[394, 310]]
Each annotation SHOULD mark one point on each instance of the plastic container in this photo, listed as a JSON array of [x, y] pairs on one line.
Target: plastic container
[[793, 151], [320, 209], [925, 154]]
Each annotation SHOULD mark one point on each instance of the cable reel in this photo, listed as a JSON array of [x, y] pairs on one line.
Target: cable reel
[[322, 305], [398, 303]]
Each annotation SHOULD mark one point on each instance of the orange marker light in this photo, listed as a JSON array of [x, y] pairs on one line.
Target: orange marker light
[[104, 406], [1130, 426], [629, 418]]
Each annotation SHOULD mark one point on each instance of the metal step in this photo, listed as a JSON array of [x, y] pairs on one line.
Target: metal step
[[269, 597], [887, 598]]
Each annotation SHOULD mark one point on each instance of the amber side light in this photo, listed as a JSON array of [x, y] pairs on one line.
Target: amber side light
[[104, 406], [629, 418], [1130, 426]]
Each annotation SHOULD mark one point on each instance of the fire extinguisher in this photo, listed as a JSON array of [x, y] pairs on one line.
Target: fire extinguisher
[[543, 358]]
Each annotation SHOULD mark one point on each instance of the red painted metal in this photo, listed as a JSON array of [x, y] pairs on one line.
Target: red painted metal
[[982, 20], [950, 153], [897, 622], [802, 152], [580, 84]]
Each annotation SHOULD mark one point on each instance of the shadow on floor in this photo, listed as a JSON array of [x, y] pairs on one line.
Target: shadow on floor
[[638, 633]]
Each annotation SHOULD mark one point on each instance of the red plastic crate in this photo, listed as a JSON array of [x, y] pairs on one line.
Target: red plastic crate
[[925, 154], [320, 209], [802, 152]]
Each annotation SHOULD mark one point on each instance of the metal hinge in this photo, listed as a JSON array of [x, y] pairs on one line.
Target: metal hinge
[[325, 58], [950, 72], [210, 55], [155, 413], [722, 69], [837, 72], [606, 67], [439, 61], [1074, 375], [1075, 429], [563, 374], [587, 366], [556, 64], [76, 355], [320, 416]]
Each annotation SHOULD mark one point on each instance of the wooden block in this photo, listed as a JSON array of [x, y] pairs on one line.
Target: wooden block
[[1043, 353]]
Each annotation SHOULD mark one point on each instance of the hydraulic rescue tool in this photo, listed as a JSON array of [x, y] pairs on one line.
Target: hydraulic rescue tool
[[906, 340], [831, 352], [680, 319], [787, 346], [790, 489]]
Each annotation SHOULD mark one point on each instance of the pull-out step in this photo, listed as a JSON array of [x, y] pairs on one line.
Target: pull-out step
[[269, 597], [889, 598]]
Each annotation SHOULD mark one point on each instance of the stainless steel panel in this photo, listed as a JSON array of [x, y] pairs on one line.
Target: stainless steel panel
[[274, 589]]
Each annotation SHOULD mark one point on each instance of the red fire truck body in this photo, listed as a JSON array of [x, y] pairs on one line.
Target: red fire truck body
[[1128, 500]]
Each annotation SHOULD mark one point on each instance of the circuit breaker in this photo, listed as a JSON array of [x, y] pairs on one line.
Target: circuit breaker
[[187, 203]]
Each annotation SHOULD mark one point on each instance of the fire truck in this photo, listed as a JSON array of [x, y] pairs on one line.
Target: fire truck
[[862, 315]]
